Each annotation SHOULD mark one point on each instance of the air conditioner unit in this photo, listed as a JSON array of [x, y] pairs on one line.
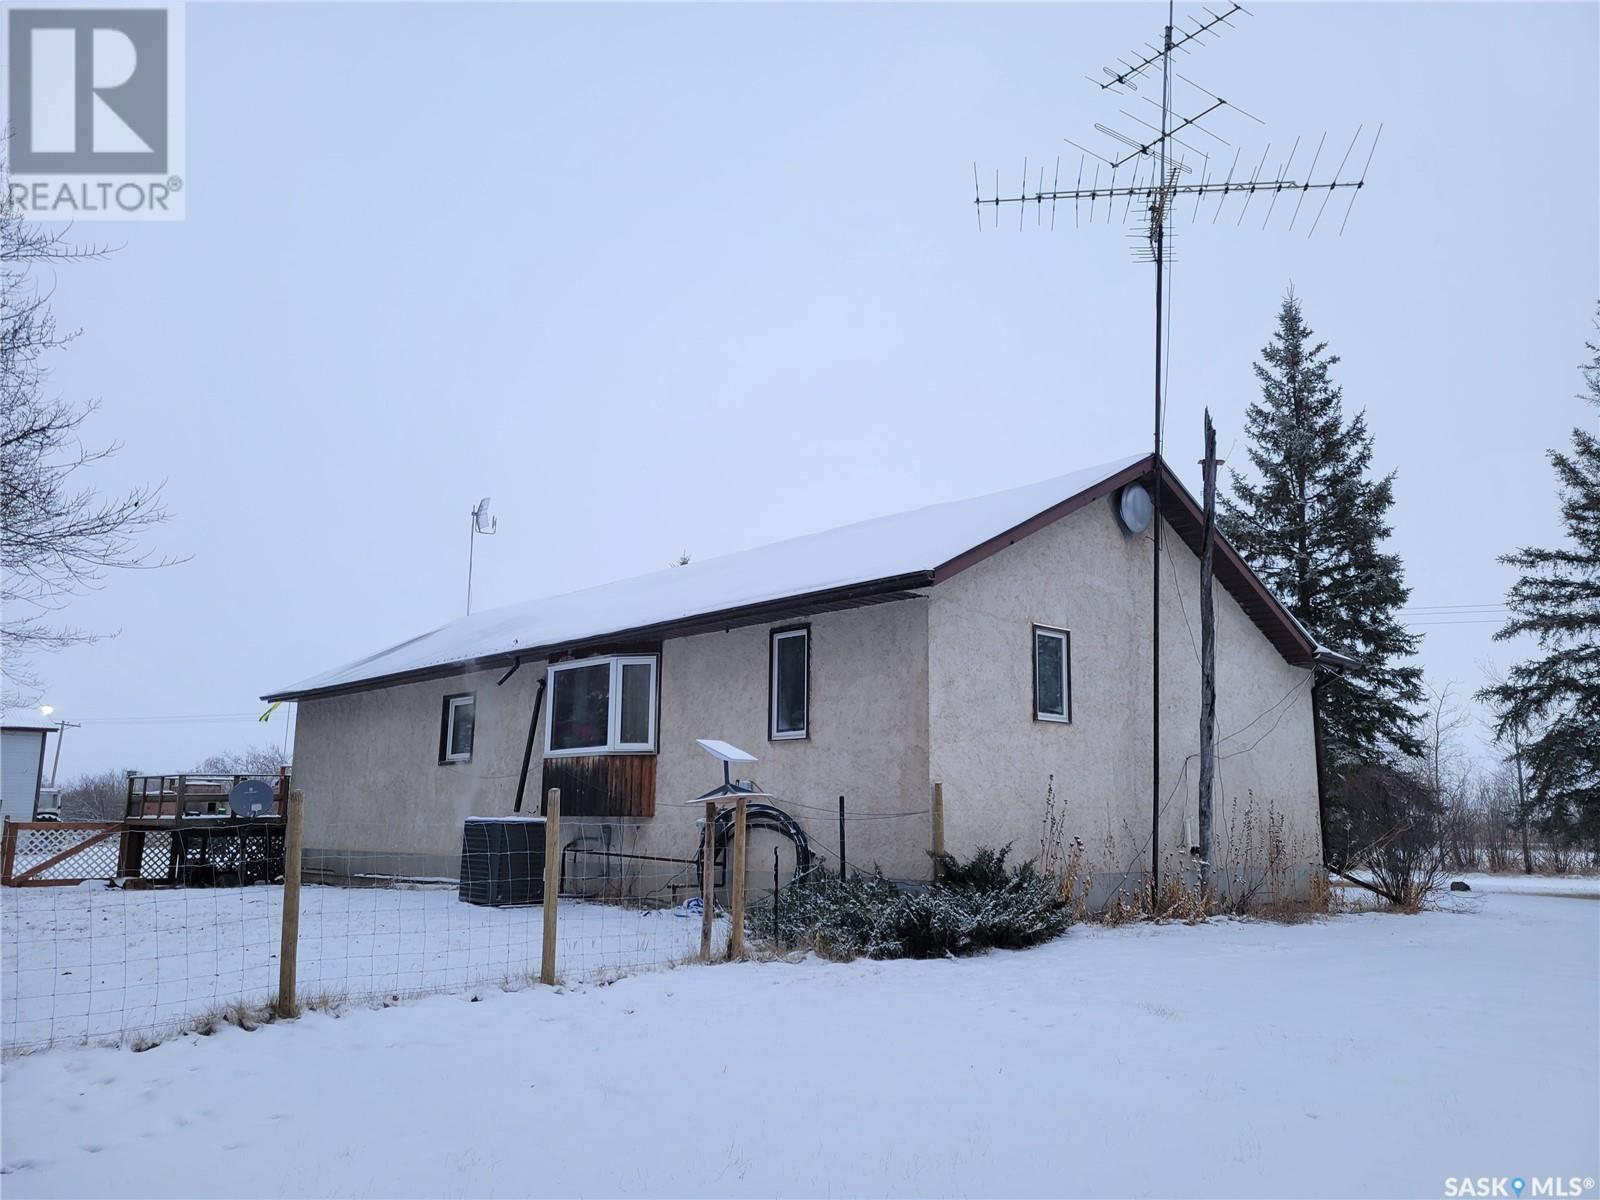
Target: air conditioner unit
[[502, 861]]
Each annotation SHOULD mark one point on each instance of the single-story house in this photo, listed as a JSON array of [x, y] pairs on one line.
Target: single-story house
[[999, 646]]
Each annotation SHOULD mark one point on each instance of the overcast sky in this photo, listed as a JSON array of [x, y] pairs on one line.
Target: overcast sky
[[693, 278]]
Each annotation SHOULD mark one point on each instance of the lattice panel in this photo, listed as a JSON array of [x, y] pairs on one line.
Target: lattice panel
[[36, 847]]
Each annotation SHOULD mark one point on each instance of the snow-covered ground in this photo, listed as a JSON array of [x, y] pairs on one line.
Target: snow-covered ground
[[1364, 1055], [1534, 885], [93, 962]]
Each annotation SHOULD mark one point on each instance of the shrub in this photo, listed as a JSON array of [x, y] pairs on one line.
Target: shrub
[[976, 905]]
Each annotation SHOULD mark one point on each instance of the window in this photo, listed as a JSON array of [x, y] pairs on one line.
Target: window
[[789, 682], [1052, 674], [455, 732], [601, 705]]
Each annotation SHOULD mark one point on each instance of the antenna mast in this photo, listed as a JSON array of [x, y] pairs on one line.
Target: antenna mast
[[1157, 178]]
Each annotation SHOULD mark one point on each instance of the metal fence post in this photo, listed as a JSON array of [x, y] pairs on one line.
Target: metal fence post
[[777, 945], [736, 883], [289, 942], [552, 884], [841, 838], [708, 881], [938, 828]]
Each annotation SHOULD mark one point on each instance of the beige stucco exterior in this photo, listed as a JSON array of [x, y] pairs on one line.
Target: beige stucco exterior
[[1085, 575], [901, 694]]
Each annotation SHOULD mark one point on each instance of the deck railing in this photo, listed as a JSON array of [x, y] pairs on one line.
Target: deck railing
[[195, 795]]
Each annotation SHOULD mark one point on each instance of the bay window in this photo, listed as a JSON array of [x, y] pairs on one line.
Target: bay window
[[602, 705]]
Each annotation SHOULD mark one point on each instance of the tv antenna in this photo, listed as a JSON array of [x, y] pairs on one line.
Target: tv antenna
[[482, 523], [1151, 169]]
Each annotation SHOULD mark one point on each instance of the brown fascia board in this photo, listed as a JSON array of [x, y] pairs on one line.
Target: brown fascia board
[[1187, 519], [879, 591], [1180, 511], [1049, 516]]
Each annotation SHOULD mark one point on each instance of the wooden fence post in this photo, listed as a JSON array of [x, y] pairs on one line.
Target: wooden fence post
[[289, 943], [552, 883], [708, 881], [8, 851], [938, 827], [736, 884]]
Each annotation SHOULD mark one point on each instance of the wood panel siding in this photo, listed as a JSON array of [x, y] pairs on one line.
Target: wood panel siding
[[603, 785]]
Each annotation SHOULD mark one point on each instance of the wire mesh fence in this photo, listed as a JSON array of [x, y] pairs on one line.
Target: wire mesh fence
[[627, 906], [97, 963], [111, 960]]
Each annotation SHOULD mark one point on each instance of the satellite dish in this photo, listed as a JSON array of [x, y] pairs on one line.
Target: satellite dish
[[720, 749], [481, 520], [730, 788], [1135, 508], [252, 798]]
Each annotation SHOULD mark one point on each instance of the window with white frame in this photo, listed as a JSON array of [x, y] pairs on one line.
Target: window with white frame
[[1052, 674], [602, 705], [457, 727], [789, 684]]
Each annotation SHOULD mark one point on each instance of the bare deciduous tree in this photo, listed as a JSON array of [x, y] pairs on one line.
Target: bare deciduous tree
[[60, 535], [102, 796], [254, 760]]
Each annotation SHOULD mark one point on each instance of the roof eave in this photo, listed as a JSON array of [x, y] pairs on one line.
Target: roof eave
[[857, 595]]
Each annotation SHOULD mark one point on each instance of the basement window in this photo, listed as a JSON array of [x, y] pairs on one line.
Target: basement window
[[789, 684], [1052, 674], [457, 727], [602, 705]]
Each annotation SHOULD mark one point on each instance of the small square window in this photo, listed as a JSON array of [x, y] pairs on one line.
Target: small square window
[[455, 734], [1052, 674], [790, 684]]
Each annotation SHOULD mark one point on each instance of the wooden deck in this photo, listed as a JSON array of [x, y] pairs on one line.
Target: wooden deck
[[178, 830]]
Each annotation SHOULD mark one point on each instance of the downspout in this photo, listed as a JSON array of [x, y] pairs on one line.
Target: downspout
[[527, 750]]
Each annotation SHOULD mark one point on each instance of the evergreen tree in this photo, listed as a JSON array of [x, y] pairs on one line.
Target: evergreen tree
[[1313, 524], [1552, 701]]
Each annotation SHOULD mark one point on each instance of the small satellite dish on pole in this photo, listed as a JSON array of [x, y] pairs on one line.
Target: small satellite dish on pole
[[252, 798], [729, 788], [482, 523]]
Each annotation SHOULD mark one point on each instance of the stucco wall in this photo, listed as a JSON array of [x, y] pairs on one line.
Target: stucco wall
[[868, 732], [368, 765], [901, 694], [1085, 575], [368, 762]]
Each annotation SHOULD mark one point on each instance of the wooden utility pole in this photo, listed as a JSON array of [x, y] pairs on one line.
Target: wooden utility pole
[[1208, 656], [552, 884], [289, 937]]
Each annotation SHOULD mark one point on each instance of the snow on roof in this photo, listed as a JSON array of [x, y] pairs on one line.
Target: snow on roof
[[868, 551]]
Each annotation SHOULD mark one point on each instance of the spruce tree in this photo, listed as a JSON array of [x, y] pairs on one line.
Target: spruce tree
[[1313, 524], [1552, 701]]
